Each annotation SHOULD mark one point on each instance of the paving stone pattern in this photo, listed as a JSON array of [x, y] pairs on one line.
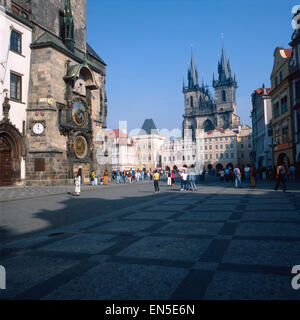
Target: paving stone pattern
[[216, 243]]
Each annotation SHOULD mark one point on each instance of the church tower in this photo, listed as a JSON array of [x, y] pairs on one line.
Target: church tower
[[225, 95]]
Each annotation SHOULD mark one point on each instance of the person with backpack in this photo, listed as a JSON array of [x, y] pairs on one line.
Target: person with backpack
[[280, 177]]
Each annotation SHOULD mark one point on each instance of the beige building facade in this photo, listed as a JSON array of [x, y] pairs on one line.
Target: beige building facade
[[281, 107]]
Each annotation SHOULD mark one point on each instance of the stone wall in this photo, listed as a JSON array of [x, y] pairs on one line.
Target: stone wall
[[46, 14]]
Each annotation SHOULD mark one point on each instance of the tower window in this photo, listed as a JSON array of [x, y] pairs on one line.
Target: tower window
[[192, 102], [223, 96]]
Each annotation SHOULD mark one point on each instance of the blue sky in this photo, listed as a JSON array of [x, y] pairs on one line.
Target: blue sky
[[147, 47]]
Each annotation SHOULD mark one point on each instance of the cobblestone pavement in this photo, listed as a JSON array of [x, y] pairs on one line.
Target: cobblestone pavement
[[125, 242]]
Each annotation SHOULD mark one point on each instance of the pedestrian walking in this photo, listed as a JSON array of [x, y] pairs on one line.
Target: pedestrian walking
[[78, 180], [96, 179], [169, 178], [238, 177], [252, 173], [129, 175], [106, 177], [222, 174], [183, 181], [192, 179], [280, 177], [118, 177], [173, 178], [92, 177], [156, 179], [292, 171]]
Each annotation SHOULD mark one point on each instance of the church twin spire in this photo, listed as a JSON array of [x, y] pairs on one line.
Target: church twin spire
[[224, 71]]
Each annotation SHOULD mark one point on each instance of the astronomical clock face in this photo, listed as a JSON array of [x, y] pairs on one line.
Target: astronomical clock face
[[79, 114], [80, 147]]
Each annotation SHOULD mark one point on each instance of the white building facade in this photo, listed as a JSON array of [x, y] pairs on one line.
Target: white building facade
[[15, 52], [122, 150], [262, 109]]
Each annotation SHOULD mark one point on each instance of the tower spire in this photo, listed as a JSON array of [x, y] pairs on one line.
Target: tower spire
[[192, 73], [224, 66]]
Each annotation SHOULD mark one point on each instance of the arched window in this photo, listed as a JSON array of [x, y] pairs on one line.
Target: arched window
[[192, 102]]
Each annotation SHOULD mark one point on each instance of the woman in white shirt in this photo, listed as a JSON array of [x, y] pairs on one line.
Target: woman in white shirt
[[78, 179]]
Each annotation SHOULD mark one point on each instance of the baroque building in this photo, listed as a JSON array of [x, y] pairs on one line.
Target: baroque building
[[148, 147], [281, 107], [202, 110]]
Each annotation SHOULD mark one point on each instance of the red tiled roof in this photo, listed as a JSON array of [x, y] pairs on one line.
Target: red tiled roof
[[288, 52], [212, 131], [123, 137], [260, 91]]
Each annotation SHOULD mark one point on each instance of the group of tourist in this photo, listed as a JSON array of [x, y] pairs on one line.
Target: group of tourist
[[131, 176], [281, 173], [94, 178]]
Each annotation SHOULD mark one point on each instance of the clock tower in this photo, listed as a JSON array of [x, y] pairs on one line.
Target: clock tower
[[67, 105]]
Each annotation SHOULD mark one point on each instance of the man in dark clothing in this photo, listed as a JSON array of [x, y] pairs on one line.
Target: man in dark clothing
[[280, 176]]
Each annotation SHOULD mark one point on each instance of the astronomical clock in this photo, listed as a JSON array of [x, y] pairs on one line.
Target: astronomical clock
[[75, 120]]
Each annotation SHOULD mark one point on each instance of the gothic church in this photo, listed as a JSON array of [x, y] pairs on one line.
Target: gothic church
[[202, 110]]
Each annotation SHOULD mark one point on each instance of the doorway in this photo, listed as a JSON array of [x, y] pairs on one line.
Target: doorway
[[5, 163]]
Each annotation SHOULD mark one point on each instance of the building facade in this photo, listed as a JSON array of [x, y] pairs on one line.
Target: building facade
[[178, 152], [148, 147], [281, 107], [202, 110], [261, 115], [215, 149], [294, 79], [15, 53], [245, 146], [122, 150], [60, 82]]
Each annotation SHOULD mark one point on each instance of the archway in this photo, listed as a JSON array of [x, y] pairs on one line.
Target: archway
[[208, 125], [219, 167], [12, 149], [5, 162], [229, 166]]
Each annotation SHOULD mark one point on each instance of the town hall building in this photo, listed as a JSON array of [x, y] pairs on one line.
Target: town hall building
[[66, 107]]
